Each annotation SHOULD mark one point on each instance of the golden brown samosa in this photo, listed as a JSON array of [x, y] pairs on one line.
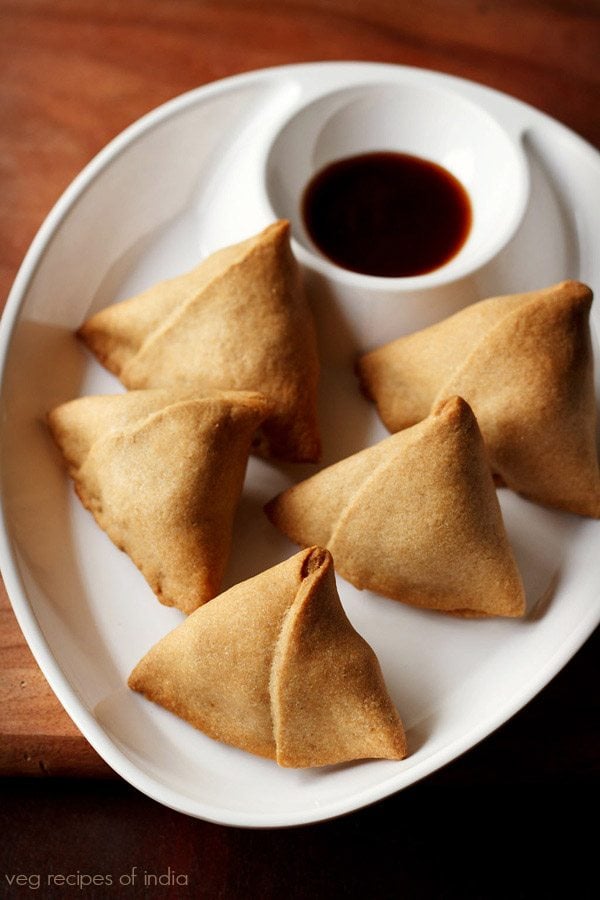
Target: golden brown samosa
[[273, 666], [162, 474], [414, 517], [238, 321], [524, 363]]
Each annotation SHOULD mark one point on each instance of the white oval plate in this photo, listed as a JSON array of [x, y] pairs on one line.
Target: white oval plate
[[176, 185]]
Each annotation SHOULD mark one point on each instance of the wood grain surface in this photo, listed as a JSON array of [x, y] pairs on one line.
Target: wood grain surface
[[74, 73]]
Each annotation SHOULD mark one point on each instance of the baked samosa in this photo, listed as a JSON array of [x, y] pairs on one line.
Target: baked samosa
[[524, 362], [238, 321], [414, 517], [162, 475], [274, 667]]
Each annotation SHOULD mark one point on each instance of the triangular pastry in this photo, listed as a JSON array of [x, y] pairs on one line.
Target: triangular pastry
[[524, 363], [414, 517], [274, 667], [162, 475], [238, 321]]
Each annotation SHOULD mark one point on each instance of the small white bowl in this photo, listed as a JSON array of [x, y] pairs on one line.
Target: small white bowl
[[429, 122]]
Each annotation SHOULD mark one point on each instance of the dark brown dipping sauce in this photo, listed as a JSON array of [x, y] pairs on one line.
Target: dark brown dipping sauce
[[387, 214]]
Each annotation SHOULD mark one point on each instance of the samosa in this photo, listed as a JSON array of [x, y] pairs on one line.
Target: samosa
[[162, 474], [274, 667], [238, 321], [414, 517], [524, 363]]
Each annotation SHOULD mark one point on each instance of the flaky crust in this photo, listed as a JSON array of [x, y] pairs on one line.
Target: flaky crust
[[238, 321], [162, 474], [415, 518], [273, 666], [524, 363]]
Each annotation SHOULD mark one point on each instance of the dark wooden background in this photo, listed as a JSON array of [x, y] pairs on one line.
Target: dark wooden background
[[506, 820]]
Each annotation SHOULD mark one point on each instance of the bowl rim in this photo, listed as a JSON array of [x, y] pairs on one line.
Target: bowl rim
[[468, 259]]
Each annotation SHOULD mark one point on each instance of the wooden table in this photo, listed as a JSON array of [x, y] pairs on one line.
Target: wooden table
[[74, 73]]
